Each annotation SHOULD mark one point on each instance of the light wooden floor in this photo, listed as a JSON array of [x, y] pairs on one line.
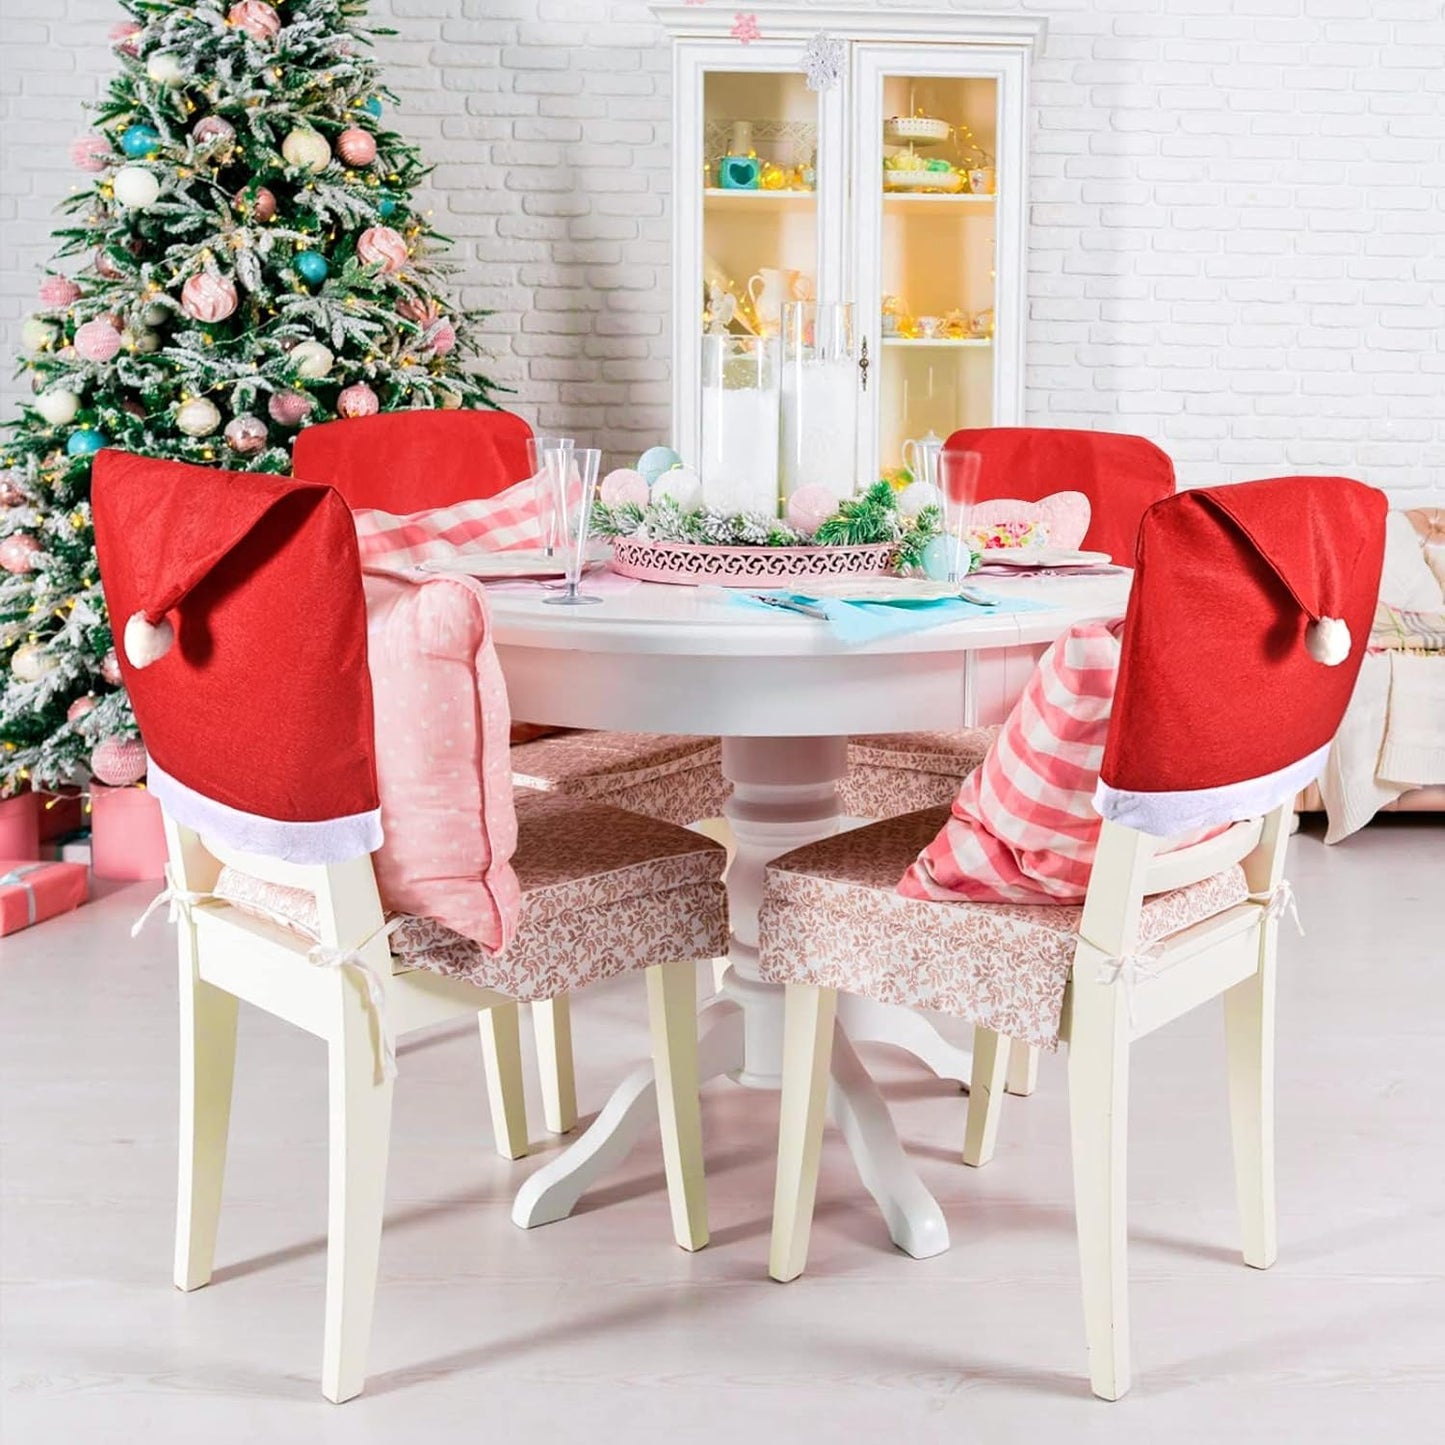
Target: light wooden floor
[[598, 1329]]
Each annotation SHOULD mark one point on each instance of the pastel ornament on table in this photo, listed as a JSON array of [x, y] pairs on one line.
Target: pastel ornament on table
[[657, 460], [312, 360], [38, 335], [245, 435], [198, 417], [19, 553], [624, 487], [58, 405], [119, 762], [256, 18], [917, 496], [165, 68], [682, 486], [289, 408], [382, 246], [84, 443], [356, 147], [306, 150], [809, 507], [939, 554], [357, 400], [208, 297], [312, 267], [57, 292], [90, 152]]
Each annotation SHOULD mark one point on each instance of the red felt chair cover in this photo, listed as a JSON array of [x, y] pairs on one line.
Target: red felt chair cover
[[1226, 703], [258, 719], [1122, 476], [408, 461]]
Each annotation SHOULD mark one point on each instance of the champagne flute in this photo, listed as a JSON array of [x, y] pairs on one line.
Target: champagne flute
[[958, 480], [575, 479], [538, 448]]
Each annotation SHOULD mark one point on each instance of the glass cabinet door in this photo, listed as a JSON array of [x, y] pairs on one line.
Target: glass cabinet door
[[929, 192]]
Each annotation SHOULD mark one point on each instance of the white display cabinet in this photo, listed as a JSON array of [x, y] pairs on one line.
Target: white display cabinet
[[923, 233]]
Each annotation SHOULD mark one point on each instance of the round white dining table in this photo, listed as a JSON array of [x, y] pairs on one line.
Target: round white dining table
[[784, 694]]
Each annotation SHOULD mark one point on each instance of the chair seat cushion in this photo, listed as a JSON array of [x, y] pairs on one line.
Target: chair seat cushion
[[892, 773], [669, 776], [604, 891], [832, 915]]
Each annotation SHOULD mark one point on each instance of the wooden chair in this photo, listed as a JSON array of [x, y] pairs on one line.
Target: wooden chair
[[407, 461], [1159, 933]]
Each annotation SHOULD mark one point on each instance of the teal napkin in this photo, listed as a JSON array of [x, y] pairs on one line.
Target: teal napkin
[[857, 623]]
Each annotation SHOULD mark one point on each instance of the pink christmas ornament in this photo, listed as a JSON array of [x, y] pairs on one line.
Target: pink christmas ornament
[[122, 37], [258, 19], [262, 203], [79, 708], [289, 408], [624, 486], [212, 128], [381, 246], [357, 400], [110, 668], [119, 762], [105, 265], [10, 493], [356, 147], [96, 341], [90, 152], [208, 297], [809, 507], [18, 552], [442, 337], [58, 291], [413, 308], [245, 435]]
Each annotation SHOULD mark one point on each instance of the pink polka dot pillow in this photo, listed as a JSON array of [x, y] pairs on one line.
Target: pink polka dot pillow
[[442, 756]]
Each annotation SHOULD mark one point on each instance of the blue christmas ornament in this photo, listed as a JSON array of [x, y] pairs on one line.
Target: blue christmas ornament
[[139, 141], [655, 461], [85, 442], [939, 555], [386, 208], [312, 266], [372, 106]]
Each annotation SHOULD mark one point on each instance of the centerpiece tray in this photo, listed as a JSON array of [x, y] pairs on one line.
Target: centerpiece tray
[[693, 565]]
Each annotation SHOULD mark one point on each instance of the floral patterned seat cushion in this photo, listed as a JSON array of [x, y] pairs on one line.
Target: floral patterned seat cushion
[[604, 891], [892, 773], [831, 915], [668, 776]]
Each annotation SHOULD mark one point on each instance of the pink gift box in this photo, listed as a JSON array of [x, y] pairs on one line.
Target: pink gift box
[[127, 833], [20, 827], [32, 892]]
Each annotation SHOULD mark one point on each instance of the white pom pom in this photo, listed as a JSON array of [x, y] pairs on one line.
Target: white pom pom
[[147, 642], [1328, 641]]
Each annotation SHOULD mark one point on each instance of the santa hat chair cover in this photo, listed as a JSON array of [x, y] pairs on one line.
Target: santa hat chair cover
[[1247, 623], [241, 626]]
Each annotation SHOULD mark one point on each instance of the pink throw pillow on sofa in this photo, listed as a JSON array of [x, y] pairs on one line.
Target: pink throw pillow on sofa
[[442, 756]]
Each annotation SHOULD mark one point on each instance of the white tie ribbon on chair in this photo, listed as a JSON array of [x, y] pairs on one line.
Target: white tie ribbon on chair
[[182, 900], [1277, 902]]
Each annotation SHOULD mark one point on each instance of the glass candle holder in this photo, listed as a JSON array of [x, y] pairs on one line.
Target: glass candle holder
[[739, 462], [819, 398], [958, 481]]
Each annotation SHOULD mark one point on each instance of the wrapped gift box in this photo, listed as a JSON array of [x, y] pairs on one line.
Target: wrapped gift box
[[32, 892]]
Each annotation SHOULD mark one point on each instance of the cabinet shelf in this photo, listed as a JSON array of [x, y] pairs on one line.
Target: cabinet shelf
[[965, 204], [956, 343], [756, 200]]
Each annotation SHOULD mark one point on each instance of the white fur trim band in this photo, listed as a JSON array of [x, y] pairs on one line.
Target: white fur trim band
[[147, 642], [329, 840], [1166, 815]]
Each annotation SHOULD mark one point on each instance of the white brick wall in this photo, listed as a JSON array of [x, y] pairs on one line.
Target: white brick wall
[[1238, 213]]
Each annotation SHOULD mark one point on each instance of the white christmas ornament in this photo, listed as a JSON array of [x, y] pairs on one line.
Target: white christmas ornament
[[36, 335], [312, 360], [164, 68], [1328, 640], [136, 188], [155, 314], [57, 406], [143, 341], [31, 662], [197, 418], [306, 149], [147, 642], [915, 497], [682, 485]]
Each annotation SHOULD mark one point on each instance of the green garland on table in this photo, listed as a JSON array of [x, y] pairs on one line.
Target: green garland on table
[[861, 521]]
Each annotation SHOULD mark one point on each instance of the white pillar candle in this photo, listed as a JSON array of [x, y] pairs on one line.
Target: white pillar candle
[[740, 450], [819, 426]]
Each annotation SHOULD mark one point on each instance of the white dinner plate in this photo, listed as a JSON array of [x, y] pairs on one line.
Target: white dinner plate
[[1042, 557]]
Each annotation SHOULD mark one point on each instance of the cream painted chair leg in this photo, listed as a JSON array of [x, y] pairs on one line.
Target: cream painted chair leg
[[1099, 1121], [807, 1058], [502, 1061], [1249, 1040], [672, 1005], [208, 1063], [360, 1139], [1023, 1068], [985, 1095], [552, 1027]]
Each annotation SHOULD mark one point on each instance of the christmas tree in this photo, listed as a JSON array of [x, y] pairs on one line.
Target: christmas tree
[[250, 261]]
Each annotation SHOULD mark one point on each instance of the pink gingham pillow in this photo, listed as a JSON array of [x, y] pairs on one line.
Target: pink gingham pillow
[[494, 524], [443, 759], [1023, 827]]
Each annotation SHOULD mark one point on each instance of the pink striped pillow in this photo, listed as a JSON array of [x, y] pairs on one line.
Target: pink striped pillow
[[496, 524], [1023, 828]]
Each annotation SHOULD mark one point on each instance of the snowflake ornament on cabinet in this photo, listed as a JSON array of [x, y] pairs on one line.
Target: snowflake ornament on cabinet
[[823, 61]]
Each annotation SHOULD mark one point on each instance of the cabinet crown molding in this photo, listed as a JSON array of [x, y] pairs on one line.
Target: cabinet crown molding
[[789, 22]]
